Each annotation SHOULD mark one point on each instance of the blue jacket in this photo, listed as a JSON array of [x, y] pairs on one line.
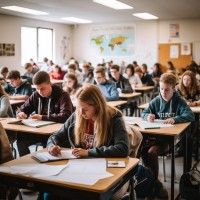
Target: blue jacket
[[24, 89], [176, 108], [109, 91]]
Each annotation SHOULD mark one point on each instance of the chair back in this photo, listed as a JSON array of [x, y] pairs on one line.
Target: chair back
[[135, 139], [5, 148]]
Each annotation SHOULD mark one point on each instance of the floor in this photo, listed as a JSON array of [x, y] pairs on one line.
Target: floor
[[179, 172]]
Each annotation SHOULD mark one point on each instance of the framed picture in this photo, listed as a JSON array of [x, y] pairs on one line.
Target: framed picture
[[7, 49]]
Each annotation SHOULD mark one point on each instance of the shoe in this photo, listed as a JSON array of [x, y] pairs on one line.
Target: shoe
[[161, 191]]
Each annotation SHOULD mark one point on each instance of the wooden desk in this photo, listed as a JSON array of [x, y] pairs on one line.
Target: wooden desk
[[171, 133], [55, 81], [129, 95], [45, 130], [13, 102], [116, 103], [143, 106], [144, 88], [102, 190], [195, 109], [145, 91]]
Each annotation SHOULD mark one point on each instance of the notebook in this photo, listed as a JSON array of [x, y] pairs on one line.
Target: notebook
[[150, 125], [31, 122], [46, 156]]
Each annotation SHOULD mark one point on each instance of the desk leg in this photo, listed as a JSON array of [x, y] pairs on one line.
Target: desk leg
[[172, 168]]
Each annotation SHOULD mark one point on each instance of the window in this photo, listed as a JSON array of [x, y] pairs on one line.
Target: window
[[36, 43]]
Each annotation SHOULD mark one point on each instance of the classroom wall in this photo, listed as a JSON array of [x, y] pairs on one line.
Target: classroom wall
[[189, 32], [148, 35], [145, 44], [10, 32]]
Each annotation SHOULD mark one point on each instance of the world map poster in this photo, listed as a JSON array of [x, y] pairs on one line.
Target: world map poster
[[113, 44]]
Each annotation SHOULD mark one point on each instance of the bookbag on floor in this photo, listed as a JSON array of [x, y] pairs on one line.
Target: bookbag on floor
[[190, 183]]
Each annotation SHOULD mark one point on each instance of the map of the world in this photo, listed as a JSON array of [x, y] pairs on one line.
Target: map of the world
[[113, 44]]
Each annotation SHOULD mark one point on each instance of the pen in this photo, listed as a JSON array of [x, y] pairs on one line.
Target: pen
[[113, 163], [153, 127]]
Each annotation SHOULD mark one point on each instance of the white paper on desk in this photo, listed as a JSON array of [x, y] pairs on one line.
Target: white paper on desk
[[195, 109], [4, 169], [37, 170], [65, 154], [83, 171]]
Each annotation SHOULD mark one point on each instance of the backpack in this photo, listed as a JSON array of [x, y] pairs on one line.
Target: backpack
[[145, 182], [190, 183]]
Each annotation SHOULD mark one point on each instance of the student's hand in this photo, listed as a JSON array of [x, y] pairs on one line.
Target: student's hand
[[191, 104], [151, 117], [21, 115], [169, 121], [78, 152], [55, 150], [36, 116]]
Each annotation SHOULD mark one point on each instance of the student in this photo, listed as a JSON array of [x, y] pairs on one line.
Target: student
[[16, 88], [30, 72], [71, 85], [188, 89], [107, 88], [85, 70], [49, 102], [5, 107], [90, 78], [94, 130], [121, 82], [4, 72], [133, 77], [57, 73], [157, 72], [146, 77], [171, 68], [171, 108], [6, 111], [72, 69]]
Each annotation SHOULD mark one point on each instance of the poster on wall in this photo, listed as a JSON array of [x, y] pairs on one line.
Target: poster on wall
[[116, 40], [7, 49], [174, 30], [185, 49], [65, 47], [174, 51]]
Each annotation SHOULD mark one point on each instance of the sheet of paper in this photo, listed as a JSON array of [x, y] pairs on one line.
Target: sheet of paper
[[149, 125], [37, 170], [83, 171], [65, 154]]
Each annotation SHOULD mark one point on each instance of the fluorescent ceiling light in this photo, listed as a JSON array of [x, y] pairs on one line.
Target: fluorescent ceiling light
[[77, 20], [25, 10], [145, 16], [113, 4]]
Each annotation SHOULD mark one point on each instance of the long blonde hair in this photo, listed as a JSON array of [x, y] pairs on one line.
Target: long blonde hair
[[193, 87], [91, 95]]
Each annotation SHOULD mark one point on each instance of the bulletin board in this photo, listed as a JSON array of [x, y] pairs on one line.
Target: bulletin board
[[180, 61]]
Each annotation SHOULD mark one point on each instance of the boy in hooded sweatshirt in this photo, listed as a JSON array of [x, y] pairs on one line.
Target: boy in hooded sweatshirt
[[171, 108], [49, 103]]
